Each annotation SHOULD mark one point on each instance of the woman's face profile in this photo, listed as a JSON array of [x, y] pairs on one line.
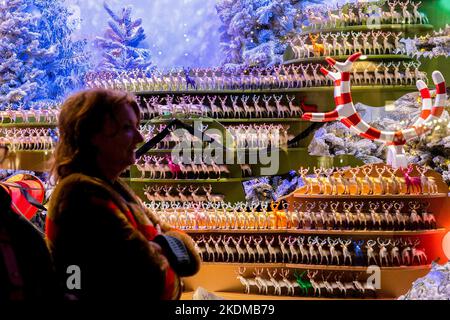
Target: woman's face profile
[[117, 141]]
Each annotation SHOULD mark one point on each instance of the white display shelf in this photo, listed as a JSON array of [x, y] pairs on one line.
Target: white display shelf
[[314, 266], [175, 181], [366, 57], [277, 90], [371, 196], [320, 232], [243, 296], [414, 28]]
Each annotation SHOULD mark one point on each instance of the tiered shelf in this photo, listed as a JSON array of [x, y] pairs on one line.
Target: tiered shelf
[[264, 91], [181, 181], [395, 280], [242, 296], [371, 233], [320, 96], [374, 57], [313, 266], [371, 196], [27, 125], [408, 29]]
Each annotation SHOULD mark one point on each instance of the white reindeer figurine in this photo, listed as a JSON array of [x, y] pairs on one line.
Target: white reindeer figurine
[[261, 251], [303, 251], [285, 253], [335, 254], [240, 250], [316, 286], [406, 255], [428, 218], [383, 253], [395, 253], [264, 283], [292, 248], [247, 283], [324, 254], [288, 284], [428, 182], [312, 250], [371, 251], [418, 254], [250, 251], [228, 249], [414, 218], [276, 284], [400, 219], [346, 251], [274, 252]]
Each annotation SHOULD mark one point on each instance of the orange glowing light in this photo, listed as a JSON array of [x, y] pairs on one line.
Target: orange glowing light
[[446, 245]]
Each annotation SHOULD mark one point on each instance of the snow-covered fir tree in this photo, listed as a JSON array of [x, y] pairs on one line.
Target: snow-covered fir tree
[[121, 47], [272, 187], [259, 190], [435, 285], [64, 72], [253, 32], [39, 61], [429, 46], [21, 78]]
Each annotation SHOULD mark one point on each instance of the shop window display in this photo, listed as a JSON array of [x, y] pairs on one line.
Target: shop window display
[[285, 172]]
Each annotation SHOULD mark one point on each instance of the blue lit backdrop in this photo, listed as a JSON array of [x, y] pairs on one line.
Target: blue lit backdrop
[[179, 32]]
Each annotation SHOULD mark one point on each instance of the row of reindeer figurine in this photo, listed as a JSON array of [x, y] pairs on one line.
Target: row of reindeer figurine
[[244, 136], [293, 249], [389, 73], [180, 193], [389, 12], [38, 112], [18, 139], [345, 43], [368, 180], [255, 106], [198, 79], [258, 78], [198, 167], [217, 216], [218, 106], [389, 218], [165, 167], [306, 283]]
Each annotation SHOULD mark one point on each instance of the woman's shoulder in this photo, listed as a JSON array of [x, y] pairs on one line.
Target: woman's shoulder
[[78, 183], [78, 179], [76, 189]]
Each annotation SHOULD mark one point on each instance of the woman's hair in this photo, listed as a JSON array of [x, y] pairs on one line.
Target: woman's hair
[[82, 116]]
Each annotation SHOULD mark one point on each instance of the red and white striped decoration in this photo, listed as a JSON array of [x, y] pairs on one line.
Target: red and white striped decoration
[[346, 113]]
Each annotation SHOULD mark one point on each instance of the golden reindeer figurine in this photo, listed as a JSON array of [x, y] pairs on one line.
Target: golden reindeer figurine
[[317, 47], [367, 179], [354, 180], [393, 181], [381, 181], [308, 181]]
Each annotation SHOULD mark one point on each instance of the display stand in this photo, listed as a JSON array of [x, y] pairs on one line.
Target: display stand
[[395, 279], [222, 277]]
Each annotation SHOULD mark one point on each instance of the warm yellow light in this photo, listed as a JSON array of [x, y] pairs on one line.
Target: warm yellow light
[[446, 245], [389, 107]]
